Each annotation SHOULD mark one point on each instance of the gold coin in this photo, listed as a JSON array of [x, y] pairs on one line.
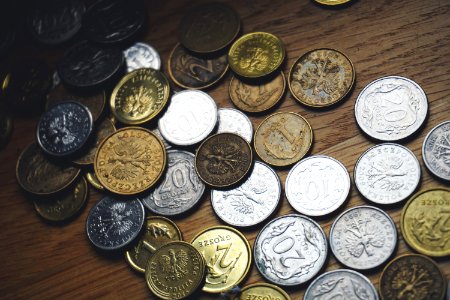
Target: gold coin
[[93, 180], [425, 222], [321, 77], [228, 257], [140, 96], [332, 2], [175, 271], [130, 161], [262, 291], [256, 54], [283, 138]]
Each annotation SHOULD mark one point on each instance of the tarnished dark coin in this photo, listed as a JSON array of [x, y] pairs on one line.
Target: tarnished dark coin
[[64, 128], [436, 150], [141, 55]]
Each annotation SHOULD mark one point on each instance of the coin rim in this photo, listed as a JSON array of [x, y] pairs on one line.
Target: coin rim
[[92, 182], [262, 284], [147, 46], [425, 160], [234, 110], [328, 3]]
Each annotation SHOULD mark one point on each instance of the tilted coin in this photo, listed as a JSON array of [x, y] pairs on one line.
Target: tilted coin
[[391, 108], [425, 222], [158, 134], [363, 237], [283, 138], [6, 126], [436, 150], [141, 55], [317, 185], [262, 291], [93, 180], [290, 250], [234, 121], [387, 173], [332, 2]]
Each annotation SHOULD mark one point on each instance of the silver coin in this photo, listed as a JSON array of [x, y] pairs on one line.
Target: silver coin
[[290, 250], [341, 284], [189, 119], [317, 185], [391, 108], [253, 201], [363, 237], [234, 121], [387, 173], [141, 55], [436, 150], [180, 189], [158, 134]]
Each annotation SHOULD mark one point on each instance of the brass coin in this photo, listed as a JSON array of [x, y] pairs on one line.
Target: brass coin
[[223, 159], [321, 77], [283, 138], [228, 257], [194, 72], [130, 161], [425, 222], [175, 271], [140, 96], [256, 54], [38, 175], [257, 97], [93, 180], [332, 2], [262, 291]]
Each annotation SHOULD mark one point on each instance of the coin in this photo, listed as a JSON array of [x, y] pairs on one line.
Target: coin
[[436, 150], [283, 138], [141, 55], [227, 254], [317, 185], [341, 284], [262, 291], [290, 250], [158, 134], [412, 276], [256, 54], [175, 271], [387, 173], [56, 81], [424, 222], [140, 96], [391, 108], [321, 77], [38, 175], [252, 202], [189, 119], [332, 2], [130, 161], [363, 237], [6, 126], [114, 223], [93, 180], [234, 121]]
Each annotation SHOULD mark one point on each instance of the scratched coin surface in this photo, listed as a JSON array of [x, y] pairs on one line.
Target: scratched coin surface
[[391, 108], [317, 185], [141, 55], [261, 291], [387, 173], [252, 202], [234, 121], [363, 237], [283, 138], [290, 250], [436, 151]]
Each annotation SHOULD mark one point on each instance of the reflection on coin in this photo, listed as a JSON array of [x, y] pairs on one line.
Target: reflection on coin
[[317, 185], [391, 108], [262, 291], [232, 120], [332, 2], [363, 237], [290, 250], [6, 126], [93, 180], [141, 55], [436, 150], [387, 173]]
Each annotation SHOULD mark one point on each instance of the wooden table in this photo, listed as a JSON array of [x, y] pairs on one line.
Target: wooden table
[[410, 38]]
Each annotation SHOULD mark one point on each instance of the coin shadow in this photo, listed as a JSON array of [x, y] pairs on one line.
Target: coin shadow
[[335, 7]]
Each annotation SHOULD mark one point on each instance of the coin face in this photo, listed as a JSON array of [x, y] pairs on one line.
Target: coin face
[[141, 55], [93, 180], [130, 161], [436, 150], [387, 173], [290, 250], [262, 291], [424, 222], [363, 237], [317, 185], [180, 189], [391, 108], [232, 120], [283, 138], [256, 54], [252, 202]]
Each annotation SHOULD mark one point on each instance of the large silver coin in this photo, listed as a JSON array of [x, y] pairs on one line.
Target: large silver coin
[[387, 173], [234, 121], [189, 119], [141, 55], [436, 150], [341, 284], [253, 201], [180, 189], [317, 185], [391, 108], [363, 237], [290, 250]]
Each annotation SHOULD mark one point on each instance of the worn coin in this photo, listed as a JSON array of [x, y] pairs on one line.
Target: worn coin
[[363, 237], [262, 291], [387, 173], [234, 121], [317, 185], [141, 55], [436, 150], [391, 108], [332, 2], [93, 180], [290, 250]]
